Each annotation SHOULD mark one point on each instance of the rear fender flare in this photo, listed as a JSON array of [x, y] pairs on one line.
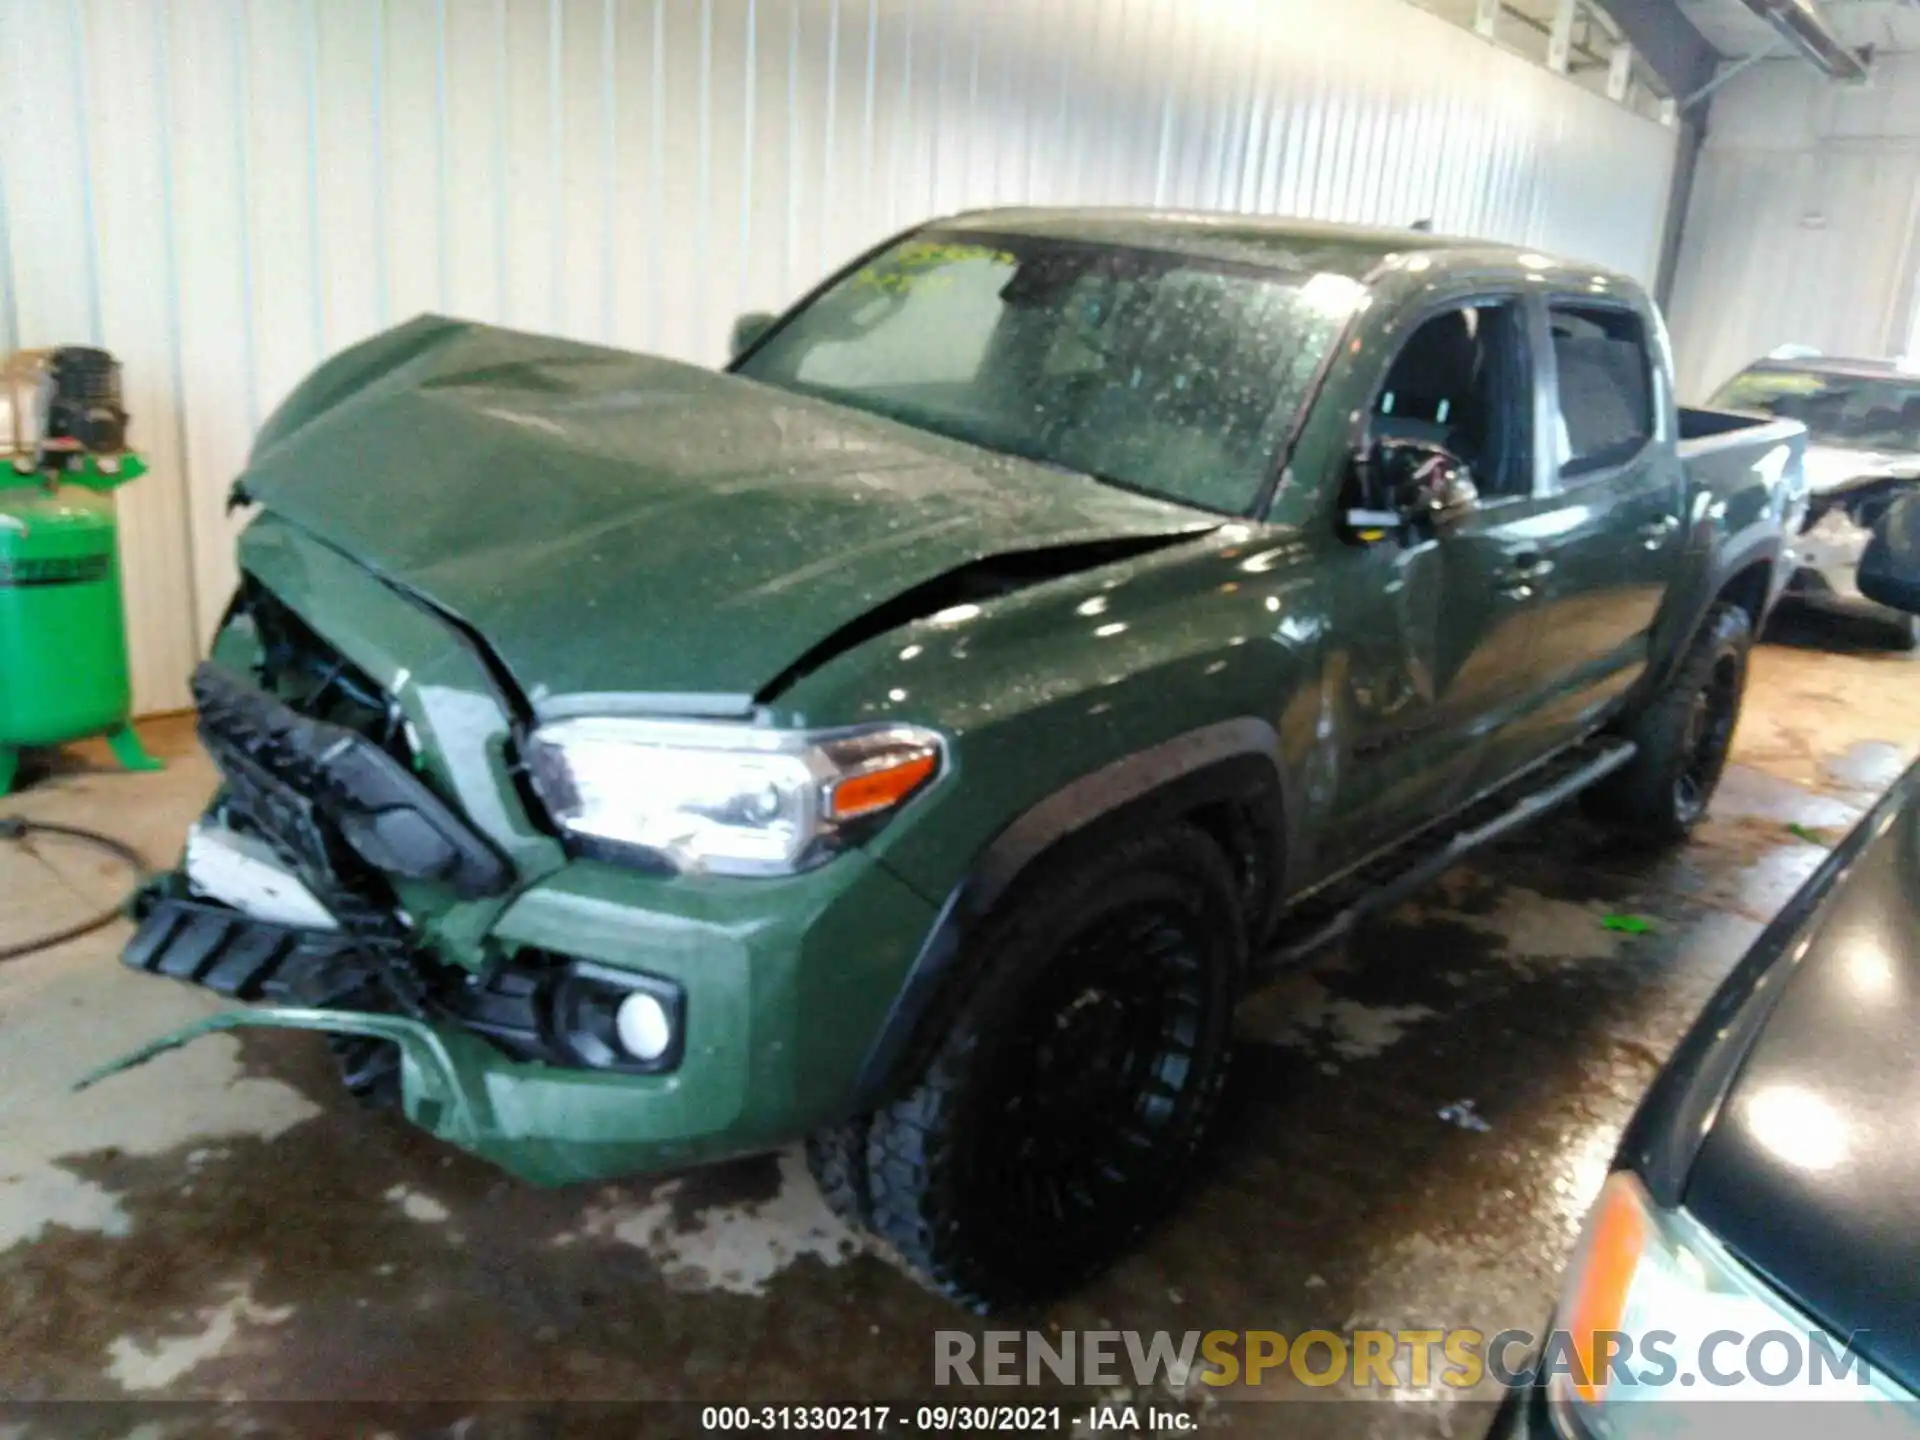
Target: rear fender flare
[[1234, 761], [1725, 565]]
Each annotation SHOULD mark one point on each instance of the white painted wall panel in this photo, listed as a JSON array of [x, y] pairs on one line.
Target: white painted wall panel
[[349, 189], [198, 57], [265, 181], [1801, 229], [129, 173]]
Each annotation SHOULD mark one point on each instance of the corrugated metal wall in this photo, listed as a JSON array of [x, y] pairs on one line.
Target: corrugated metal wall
[[223, 192], [1802, 225]]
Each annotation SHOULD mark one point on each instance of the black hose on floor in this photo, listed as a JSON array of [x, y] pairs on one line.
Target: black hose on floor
[[15, 828]]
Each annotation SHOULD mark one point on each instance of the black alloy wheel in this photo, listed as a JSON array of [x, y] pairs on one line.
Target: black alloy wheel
[[1093, 1077], [1709, 736], [1682, 736], [1075, 1077]]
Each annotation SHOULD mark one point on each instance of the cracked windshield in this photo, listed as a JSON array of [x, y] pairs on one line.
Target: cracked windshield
[[1163, 374]]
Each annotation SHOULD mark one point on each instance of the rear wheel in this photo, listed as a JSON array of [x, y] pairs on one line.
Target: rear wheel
[[1057, 1119], [1683, 736], [1901, 632]]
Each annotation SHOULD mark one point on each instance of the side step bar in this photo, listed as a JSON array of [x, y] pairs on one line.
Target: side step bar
[[1330, 916]]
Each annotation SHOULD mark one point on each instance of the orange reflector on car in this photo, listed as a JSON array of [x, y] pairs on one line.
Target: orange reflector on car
[[880, 789], [1601, 1273]]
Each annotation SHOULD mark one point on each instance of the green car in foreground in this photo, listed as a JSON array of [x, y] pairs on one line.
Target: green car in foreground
[[917, 738]]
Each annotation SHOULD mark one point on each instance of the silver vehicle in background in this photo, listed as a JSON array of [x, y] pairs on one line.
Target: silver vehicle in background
[[1863, 451]]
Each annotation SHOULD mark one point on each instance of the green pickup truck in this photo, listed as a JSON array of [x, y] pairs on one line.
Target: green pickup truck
[[918, 737]]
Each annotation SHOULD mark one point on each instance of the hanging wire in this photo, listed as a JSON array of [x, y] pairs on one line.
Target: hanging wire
[[20, 831]]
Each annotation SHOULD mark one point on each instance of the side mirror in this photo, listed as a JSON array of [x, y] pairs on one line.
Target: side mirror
[[1890, 568], [1451, 495], [747, 331], [1411, 481]]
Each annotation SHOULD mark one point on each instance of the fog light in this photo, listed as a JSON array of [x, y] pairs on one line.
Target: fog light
[[643, 1027], [612, 1018]]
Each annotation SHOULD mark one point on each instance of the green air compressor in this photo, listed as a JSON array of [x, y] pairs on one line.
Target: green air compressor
[[63, 639]]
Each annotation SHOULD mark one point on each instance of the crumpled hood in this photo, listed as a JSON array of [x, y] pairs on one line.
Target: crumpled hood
[[1833, 467], [610, 522]]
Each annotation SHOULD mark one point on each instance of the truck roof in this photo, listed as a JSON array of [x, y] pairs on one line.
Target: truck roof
[[1280, 242]]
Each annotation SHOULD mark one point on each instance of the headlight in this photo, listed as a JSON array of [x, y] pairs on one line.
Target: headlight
[[735, 799], [1645, 1274]]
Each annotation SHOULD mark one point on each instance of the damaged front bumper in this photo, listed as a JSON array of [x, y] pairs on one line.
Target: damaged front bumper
[[469, 946], [778, 988]]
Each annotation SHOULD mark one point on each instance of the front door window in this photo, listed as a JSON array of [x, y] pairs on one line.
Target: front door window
[[1459, 384]]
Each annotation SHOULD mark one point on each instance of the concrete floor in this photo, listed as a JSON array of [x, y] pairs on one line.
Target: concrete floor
[[223, 1224]]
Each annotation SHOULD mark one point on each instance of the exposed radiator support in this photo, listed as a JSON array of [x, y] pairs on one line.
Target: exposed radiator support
[[1806, 27]]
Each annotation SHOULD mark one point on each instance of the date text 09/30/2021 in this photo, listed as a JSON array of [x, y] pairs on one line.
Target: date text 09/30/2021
[[946, 1419]]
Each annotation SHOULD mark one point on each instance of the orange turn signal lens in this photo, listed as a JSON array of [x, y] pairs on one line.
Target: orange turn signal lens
[[881, 788], [1602, 1273]]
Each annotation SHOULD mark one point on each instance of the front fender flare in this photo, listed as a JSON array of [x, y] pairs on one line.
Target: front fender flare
[[1231, 761]]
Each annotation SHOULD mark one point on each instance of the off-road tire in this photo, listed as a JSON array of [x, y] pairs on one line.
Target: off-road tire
[[837, 1156], [1683, 735], [369, 1070], [1104, 987]]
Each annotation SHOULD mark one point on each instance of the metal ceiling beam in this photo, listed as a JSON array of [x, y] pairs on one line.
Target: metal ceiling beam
[[1739, 67], [1667, 41], [1514, 12], [1620, 72], [1807, 28], [1560, 34]]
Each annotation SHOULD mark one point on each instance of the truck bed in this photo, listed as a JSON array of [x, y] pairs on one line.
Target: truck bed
[[1743, 461], [1704, 431], [1746, 478]]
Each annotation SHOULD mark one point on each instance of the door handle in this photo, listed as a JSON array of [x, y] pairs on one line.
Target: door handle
[[1516, 582], [1655, 532], [1532, 564]]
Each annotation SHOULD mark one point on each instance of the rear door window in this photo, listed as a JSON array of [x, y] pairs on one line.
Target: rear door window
[[1605, 387]]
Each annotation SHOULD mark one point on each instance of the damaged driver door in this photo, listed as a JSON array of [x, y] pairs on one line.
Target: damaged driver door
[[1438, 610]]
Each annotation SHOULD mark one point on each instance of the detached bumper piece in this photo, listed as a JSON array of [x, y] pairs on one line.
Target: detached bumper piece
[[441, 1093], [300, 777], [244, 958]]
